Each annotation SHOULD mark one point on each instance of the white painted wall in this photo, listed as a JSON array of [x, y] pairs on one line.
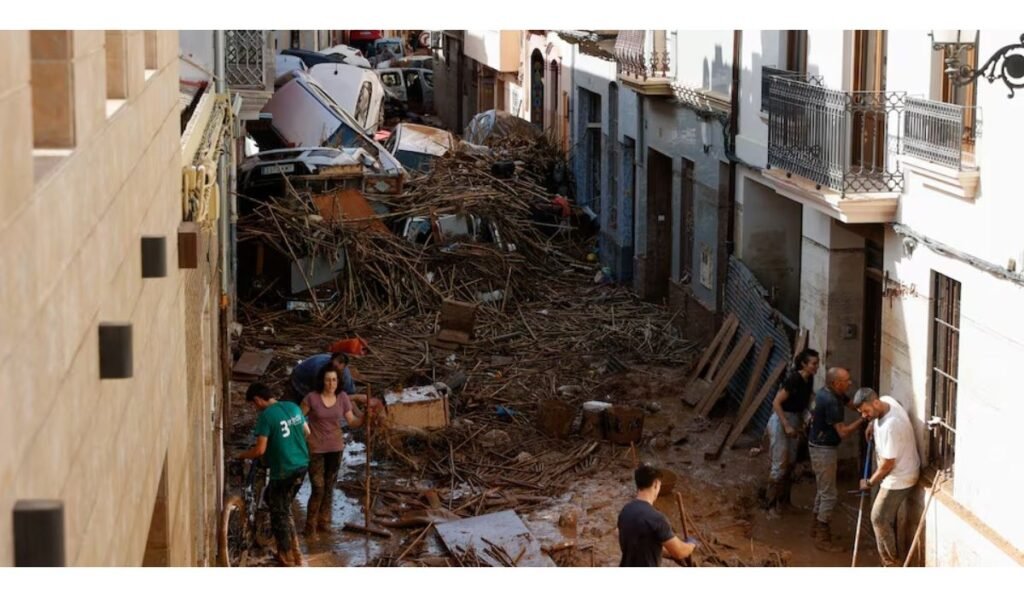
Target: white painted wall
[[703, 60], [827, 55], [989, 479], [197, 46], [760, 48]]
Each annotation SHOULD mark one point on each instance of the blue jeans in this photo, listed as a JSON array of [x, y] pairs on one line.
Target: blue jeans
[[782, 449], [824, 460]]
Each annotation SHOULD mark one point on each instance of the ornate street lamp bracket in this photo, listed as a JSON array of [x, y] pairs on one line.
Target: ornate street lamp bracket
[[1006, 65]]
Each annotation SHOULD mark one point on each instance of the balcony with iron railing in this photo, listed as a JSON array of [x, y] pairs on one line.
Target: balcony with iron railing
[[767, 72], [644, 62], [249, 68], [836, 149], [939, 144]]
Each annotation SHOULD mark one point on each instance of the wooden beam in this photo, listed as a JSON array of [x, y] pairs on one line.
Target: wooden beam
[[744, 419], [725, 375], [755, 375], [801, 342], [705, 358], [714, 447], [731, 326]]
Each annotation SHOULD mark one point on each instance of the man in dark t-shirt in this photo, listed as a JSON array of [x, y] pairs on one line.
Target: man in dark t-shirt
[[645, 533], [828, 429]]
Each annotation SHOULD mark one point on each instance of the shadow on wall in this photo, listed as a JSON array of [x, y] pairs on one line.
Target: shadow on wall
[[717, 75]]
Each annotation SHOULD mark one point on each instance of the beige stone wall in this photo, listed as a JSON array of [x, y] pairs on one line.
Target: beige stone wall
[[69, 260]]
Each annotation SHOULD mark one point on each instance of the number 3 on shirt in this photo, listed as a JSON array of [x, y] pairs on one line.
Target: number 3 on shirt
[[285, 430]]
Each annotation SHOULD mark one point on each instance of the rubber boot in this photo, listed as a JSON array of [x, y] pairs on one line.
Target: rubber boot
[[309, 531], [823, 539], [772, 499], [785, 496], [323, 520], [296, 552]]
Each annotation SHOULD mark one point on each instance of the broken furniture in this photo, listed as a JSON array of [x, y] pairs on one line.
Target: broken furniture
[[456, 322], [423, 407]]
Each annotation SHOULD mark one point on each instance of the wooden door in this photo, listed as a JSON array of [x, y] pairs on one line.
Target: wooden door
[[659, 224], [868, 150]]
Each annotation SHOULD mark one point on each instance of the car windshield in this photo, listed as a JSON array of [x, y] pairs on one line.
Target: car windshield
[[277, 156], [324, 153]]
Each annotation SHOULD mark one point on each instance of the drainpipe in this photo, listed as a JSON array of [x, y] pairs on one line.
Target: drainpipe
[[730, 202], [220, 85]]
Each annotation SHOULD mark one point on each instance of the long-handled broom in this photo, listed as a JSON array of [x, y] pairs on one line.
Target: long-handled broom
[[860, 514]]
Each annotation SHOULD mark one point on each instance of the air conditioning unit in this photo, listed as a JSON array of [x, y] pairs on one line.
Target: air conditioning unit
[[435, 40]]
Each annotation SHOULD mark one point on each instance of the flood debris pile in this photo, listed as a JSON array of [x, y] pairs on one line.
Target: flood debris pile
[[457, 232], [536, 371]]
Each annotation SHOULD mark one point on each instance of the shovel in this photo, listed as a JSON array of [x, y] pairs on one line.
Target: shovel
[[860, 509]]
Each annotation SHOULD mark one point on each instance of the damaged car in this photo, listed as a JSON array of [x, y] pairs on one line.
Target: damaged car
[[303, 114], [417, 145]]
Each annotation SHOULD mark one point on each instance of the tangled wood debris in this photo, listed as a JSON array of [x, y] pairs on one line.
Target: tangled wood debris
[[549, 331]]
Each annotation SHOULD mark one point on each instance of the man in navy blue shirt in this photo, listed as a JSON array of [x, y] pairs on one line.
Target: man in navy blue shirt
[[644, 532], [304, 375], [827, 431]]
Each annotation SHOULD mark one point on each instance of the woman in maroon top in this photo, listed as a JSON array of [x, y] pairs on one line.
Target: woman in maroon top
[[325, 409]]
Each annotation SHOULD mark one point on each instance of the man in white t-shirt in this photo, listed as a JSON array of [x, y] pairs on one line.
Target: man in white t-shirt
[[898, 466]]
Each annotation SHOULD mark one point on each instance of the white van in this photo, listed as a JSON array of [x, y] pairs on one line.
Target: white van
[[357, 90]]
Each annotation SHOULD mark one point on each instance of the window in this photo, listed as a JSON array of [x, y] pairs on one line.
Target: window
[[796, 51], [964, 95], [945, 364], [390, 79], [363, 102]]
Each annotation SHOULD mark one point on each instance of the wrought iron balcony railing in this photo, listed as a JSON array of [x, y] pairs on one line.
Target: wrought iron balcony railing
[[843, 140], [246, 58], [940, 133], [767, 72], [642, 54]]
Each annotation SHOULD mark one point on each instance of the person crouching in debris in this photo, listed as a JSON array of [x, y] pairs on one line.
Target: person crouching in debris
[[644, 533], [305, 375], [784, 428], [281, 432], [898, 469], [827, 431], [326, 409]]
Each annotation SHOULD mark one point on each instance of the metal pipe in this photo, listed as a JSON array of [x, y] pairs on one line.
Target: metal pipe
[[220, 85]]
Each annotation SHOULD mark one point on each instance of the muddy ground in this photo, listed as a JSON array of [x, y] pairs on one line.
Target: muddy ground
[[720, 496]]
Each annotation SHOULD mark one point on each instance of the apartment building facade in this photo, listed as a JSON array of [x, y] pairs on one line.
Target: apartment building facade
[[110, 339]]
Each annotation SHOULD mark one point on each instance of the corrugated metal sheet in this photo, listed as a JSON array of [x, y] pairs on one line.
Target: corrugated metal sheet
[[745, 297]]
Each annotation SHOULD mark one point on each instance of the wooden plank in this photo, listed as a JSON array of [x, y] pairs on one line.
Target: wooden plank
[[724, 346], [705, 358], [801, 342], [713, 449], [755, 404], [725, 375], [251, 365], [755, 375]]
